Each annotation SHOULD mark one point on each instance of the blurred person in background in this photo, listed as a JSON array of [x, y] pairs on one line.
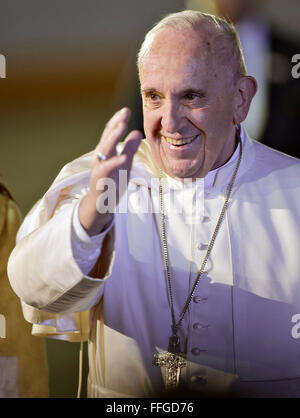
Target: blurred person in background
[[23, 367], [274, 117]]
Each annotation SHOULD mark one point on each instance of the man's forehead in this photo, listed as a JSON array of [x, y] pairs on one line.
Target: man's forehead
[[178, 50], [175, 76], [180, 46], [183, 41], [200, 52], [184, 66]]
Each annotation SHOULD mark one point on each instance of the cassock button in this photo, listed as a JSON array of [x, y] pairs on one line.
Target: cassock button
[[202, 246], [196, 351], [198, 380], [199, 299], [206, 219], [197, 325]]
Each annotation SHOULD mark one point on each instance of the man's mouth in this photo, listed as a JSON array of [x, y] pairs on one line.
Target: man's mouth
[[179, 142]]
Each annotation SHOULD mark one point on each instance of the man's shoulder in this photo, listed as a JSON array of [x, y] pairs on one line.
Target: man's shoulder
[[270, 157], [270, 170]]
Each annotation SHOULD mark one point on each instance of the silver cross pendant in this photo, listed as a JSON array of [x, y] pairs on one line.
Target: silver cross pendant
[[172, 361]]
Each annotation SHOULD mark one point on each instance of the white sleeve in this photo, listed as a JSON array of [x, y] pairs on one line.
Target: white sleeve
[[86, 249], [42, 269]]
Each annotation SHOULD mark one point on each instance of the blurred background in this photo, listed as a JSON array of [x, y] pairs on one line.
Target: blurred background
[[70, 64]]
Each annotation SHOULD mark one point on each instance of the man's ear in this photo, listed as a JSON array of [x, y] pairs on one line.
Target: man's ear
[[245, 91]]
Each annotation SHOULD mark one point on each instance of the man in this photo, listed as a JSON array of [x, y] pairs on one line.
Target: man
[[202, 298]]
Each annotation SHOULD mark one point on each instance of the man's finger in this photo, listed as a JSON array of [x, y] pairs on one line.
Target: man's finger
[[105, 168], [113, 133], [120, 114], [132, 143]]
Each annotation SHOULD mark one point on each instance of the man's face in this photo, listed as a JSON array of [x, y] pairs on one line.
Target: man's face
[[188, 104]]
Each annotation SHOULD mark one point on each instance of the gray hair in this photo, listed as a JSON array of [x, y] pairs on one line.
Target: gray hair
[[194, 20]]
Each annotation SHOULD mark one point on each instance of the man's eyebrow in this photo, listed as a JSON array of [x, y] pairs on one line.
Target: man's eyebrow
[[148, 90], [191, 90]]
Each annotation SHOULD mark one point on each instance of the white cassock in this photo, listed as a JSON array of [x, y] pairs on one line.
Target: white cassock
[[241, 331]]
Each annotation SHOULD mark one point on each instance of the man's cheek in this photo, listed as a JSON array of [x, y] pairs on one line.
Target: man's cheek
[[152, 126], [200, 119]]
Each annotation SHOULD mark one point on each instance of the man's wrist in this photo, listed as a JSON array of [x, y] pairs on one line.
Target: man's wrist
[[91, 220]]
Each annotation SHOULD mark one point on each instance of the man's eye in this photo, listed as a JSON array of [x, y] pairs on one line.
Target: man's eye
[[191, 96], [154, 97]]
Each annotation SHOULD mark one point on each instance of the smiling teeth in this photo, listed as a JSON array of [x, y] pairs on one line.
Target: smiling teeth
[[177, 142]]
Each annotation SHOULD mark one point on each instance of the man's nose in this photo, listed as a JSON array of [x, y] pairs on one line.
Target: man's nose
[[171, 118]]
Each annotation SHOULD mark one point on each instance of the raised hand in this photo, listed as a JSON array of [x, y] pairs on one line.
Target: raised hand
[[91, 216]]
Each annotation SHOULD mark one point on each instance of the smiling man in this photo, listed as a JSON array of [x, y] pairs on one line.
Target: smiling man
[[193, 94], [200, 303]]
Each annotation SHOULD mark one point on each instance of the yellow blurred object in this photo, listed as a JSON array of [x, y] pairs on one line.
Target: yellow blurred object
[[23, 364]]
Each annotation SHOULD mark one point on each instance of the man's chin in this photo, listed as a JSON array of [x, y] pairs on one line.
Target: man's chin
[[187, 173]]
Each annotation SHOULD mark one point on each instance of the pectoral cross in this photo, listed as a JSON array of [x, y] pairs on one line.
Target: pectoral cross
[[172, 361]]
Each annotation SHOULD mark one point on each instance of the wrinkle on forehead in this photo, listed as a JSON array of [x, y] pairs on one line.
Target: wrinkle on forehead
[[185, 42], [206, 43]]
